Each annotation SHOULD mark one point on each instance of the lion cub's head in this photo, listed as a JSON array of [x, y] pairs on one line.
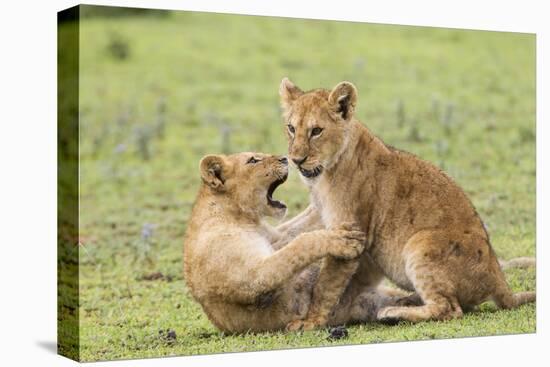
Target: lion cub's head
[[247, 181], [317, 124]]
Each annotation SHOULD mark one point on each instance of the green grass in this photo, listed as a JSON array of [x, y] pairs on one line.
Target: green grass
[[464, 100]]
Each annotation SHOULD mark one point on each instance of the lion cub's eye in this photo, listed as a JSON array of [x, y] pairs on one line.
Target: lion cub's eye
[[291, 128], [252, 160], [316, 131]]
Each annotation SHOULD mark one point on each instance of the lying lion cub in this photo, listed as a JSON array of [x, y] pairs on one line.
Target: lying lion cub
[[247, 275], [422, 230]]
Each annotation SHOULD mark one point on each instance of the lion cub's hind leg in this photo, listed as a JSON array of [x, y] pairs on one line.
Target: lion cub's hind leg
[[436, 307], [366, 306], [433, 282]]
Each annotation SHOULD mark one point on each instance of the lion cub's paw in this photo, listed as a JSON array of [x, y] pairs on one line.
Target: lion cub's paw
[[347, 227], [349, 241], [389, 315], [304, 325]]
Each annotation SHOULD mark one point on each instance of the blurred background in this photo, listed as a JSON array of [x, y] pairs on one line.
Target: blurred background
[[160, 89]]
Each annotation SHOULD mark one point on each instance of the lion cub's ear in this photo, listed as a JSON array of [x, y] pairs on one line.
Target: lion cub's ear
[[288, 92], [343, 99], [213, 171]]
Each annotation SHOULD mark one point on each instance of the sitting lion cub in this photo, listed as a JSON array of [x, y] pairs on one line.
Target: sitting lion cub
[[247, 275], [422, 230]]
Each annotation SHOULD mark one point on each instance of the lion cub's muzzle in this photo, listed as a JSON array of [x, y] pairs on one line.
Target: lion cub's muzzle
[[307, 173], [311, 173]]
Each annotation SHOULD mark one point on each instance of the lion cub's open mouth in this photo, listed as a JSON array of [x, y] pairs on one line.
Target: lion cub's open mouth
[[275, 203]]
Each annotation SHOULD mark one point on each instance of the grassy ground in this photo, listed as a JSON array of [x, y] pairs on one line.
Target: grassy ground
[[157, 93]]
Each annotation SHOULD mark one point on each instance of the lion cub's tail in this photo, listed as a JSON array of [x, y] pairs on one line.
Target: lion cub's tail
[[518, 262], [503, 296]]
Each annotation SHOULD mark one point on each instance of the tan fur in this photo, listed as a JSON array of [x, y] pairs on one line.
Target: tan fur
[[249, 276], [422, 231]]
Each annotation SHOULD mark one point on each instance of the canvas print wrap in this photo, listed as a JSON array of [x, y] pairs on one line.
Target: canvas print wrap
[[232, 183]]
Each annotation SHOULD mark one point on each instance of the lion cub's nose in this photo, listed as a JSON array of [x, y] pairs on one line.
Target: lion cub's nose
[[283, 160], [299, 161]]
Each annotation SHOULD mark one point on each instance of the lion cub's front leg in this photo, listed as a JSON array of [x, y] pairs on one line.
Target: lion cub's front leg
[[274, 270], [334, 276], [307, 221]]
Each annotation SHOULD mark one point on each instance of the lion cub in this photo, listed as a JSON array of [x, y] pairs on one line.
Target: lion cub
[[247, 275], [422, 230]]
